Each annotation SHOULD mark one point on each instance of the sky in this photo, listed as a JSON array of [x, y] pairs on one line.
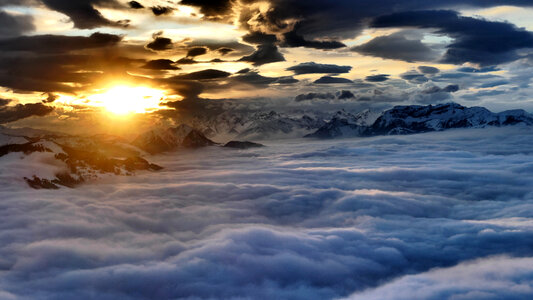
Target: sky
[[88, 63]]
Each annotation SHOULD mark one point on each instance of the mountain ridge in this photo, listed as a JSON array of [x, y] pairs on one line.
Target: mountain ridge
[[410, 119]]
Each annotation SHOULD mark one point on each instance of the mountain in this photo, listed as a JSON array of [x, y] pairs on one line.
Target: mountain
[[246, 125], [49, 162], [416, 119], [169, 139], [344, 124]]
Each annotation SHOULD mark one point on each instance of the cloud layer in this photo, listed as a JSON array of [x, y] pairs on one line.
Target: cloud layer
[[313, 220]]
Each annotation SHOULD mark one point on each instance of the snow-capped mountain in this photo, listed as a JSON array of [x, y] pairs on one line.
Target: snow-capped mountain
[[52, 161], [344, 124], [416, 119], [255, 125]]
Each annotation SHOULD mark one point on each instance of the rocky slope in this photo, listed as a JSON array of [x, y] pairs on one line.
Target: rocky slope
[[52, 161], [170, 139]]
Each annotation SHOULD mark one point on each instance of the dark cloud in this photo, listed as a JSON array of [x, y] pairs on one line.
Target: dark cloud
[[160, 64], [21, 111], [224, 50], [14, 25], [243, 71], [287, 80], [264, 54], [135, 5], [186, 61], [161, 10], [204, 75], [211, 9], [414, 77], [312, 96], [344, 94], [397, 46], [4, 102], [250, 77], [196, 51], [58, 43], [475, 40], [292, 39], [314, 68], [259, 38], [83, 14], [332, 80], [377, 78], [452, 88], [428, 70], [238, 49], [62, 71], [160, 44], [188, 89], [51, 97], [254, 78]]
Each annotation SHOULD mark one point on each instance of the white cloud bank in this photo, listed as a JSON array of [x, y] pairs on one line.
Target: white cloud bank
[[295, 220]]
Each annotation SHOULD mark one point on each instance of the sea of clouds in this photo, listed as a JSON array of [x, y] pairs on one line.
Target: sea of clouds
[[430, 216]]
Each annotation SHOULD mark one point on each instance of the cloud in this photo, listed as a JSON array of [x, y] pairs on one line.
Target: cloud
[[59, 43], [204, 75], [292, 39], [135, 5], [21, 111], [397, 46], [83, 14], [257, 37], [428, 70], [490, 278], [212, 10], [225, 50], [161, 64], [414, 77], [160, 44], [452, 88], [264, 54], [478, 70], [421, 216], [161, 10], [332, 80], [377, 78], [14, 25], [196, 51], [314, 68], [311, 96], [475, 40], [344, 94]]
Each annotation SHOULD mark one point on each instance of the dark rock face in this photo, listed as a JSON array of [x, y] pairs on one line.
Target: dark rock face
[[242, 145], [38, 183], [196, 139], [163, 140], [24, 148]]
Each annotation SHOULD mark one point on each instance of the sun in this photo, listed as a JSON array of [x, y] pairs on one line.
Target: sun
[[124, 99]]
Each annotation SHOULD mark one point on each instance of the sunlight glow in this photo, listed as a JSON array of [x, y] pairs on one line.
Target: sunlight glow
[[125, 99]]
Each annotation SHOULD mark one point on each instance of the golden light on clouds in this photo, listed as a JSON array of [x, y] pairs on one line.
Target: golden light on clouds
[[124, 99]]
